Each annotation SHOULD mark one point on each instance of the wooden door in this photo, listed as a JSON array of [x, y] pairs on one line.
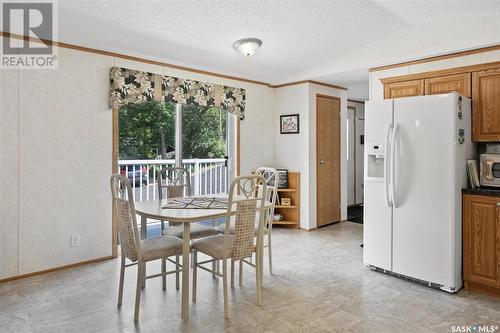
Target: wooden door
[[461, 83], [328, 159], [481, 223], [486, 105], [404, 89]]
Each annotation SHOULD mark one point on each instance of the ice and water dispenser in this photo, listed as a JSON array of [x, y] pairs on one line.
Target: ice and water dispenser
[[375, 160]]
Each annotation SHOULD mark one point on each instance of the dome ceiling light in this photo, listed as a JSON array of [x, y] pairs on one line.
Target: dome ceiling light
[[247, 46]]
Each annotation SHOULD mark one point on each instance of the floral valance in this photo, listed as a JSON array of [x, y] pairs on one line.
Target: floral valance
[[131, 86]]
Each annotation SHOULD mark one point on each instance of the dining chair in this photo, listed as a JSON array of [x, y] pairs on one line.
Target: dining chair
[[270, 176], [246, 205], [138, 251], [175, 182]]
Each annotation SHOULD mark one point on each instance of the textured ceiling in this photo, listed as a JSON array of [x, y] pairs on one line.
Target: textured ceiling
[[335, 41]]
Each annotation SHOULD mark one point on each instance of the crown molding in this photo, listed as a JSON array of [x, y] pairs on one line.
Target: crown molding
[[436, 58], [159, 63]]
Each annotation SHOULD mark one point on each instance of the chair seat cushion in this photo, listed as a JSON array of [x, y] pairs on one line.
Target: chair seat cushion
[[196, 231], [214, 246], [221, 228], [160, 247]]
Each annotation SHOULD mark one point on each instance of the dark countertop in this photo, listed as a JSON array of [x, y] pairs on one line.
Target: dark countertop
[[491, 191]]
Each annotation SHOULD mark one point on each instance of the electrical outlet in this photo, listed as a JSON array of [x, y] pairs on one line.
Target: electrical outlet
[[74, 241]]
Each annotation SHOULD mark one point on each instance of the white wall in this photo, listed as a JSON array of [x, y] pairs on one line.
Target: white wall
[[359, 115], [9, 208], [297, 152], [291, 149], [55, 157], [377, 89]]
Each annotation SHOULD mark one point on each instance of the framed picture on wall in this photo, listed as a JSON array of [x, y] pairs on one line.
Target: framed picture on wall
[[289, 124]]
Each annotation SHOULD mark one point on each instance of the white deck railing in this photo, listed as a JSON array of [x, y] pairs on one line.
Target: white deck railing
[[208, 176]]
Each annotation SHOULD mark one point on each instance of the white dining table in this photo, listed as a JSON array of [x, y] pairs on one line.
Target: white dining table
[[153, 209]]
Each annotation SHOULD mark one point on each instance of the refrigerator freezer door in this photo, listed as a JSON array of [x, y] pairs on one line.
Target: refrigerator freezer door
[[377, 229], [424, 216], [378, 118]]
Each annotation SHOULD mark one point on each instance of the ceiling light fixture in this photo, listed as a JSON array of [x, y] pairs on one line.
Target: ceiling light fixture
[[247, 46]]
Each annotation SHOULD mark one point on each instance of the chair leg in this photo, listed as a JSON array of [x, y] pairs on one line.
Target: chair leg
[[195, 273], [177, 272], [232, 274], [164, 277], [213, 269], [269, 250], [240, 275], [224, 282], [140, 278], [258, 276], [122, 276], [162, 227]]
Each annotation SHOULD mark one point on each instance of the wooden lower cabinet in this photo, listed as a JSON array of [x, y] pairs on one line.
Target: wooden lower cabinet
[[481, 242]]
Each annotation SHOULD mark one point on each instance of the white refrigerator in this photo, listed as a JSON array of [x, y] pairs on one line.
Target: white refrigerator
[[415, 167]]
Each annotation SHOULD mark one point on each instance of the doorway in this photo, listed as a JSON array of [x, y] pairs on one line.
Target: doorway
[[328, 159], [351, 155], [354, 137], [152, 135]]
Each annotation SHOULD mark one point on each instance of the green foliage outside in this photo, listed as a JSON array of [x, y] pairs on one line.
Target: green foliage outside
[[147, 131]]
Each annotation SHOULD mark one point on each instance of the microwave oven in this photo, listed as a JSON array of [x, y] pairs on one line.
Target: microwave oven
[[489, 170]]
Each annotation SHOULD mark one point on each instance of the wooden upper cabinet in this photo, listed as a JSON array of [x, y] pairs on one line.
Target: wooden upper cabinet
[[481, 243], [486, 105], [404, 89], [460, 83]]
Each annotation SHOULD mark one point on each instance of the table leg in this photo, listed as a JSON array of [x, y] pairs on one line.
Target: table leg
[[185, 272], [144, 235]]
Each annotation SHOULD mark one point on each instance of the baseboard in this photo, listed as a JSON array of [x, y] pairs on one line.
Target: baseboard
[[91, 261], [309, 229]]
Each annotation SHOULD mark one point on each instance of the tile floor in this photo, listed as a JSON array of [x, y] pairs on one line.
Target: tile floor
[[319, 285]]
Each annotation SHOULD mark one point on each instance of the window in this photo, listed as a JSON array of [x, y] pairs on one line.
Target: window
[[149, 141]]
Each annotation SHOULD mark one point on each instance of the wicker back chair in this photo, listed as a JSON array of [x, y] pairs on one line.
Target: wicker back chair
[[132, 247], [245, 208], [175, 181], [270, 176], [123, 205]]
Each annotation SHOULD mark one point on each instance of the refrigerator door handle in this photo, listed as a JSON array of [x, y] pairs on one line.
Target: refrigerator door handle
[[386, 166], [393, 166]]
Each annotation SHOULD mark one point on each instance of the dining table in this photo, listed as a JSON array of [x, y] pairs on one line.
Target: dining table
[[155, 209]]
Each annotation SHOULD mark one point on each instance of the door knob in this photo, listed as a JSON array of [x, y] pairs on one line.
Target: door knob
[[321, 162]]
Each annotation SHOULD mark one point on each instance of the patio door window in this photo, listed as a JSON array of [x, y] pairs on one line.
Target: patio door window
[[154, 135]]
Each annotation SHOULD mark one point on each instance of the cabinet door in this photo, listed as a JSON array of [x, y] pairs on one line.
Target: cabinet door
[[404, 89], [446, 84], [481, 223], [486, 105]]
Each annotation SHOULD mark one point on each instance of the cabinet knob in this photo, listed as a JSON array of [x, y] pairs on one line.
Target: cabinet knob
[[498, 204]]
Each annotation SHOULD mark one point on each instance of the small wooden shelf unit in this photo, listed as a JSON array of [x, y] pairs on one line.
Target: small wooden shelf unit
[[291, 214]]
